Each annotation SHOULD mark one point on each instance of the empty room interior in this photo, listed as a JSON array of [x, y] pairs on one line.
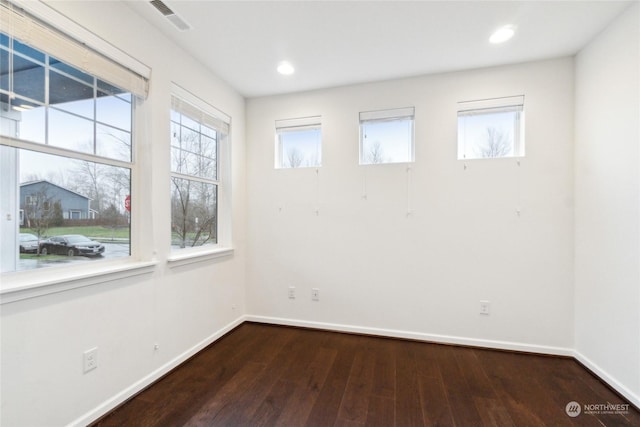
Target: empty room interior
[[177, 174]]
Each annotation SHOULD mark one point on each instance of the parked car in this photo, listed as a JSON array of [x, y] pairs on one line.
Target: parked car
[[71, 245], [28, 243]]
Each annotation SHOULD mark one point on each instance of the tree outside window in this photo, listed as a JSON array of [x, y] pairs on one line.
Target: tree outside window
[[195, 178]]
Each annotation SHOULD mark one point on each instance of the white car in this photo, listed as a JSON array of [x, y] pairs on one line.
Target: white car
[[28, 243]]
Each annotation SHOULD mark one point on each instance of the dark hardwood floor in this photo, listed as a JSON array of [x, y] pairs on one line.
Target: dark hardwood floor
[[261, 375]]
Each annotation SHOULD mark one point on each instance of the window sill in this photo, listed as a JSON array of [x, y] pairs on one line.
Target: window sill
[[186, 256], [23, 285]]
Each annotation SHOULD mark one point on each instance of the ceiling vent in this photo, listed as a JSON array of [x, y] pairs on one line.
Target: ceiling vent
[[166, 11]]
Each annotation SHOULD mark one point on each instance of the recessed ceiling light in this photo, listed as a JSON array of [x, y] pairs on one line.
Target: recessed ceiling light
[[285, 68], [502, 34]]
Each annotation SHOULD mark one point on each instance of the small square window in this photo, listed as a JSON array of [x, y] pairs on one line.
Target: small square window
[[491, 128], [386, 136], [299, 143]]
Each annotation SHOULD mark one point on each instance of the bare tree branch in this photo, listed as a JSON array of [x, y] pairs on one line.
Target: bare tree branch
[[375, 154], [497, 144], [294, 157]]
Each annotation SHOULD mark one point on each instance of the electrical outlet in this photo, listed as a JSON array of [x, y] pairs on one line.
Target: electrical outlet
[[292, 292], [485, 307], [90, 359], [315, 294]]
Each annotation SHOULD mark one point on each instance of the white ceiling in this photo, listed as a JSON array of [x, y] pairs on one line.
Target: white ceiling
[[334, 43]]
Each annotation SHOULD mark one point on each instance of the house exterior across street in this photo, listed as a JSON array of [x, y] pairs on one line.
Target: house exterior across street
[[43, 193]]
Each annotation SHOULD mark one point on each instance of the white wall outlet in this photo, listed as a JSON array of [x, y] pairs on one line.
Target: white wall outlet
[[292, 292], [315, 294], [90, 359], [485, 307]]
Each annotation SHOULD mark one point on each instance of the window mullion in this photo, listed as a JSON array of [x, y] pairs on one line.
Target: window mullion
[[195, 178], [95, 115], [47, 82]]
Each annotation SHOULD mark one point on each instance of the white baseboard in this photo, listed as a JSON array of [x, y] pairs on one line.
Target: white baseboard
[[125, 394], [418, 336], [610, 380]]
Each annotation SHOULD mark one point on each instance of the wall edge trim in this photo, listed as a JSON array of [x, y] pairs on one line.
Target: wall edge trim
[[607, 378]]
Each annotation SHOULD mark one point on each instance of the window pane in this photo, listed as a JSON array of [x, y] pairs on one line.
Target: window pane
[[113, 111], [189, 139], [82, 107], [208, 161], [176, 159], [72, 71], [71, 132], [193, 153], [63, 89], [24, 120], [489, 135], [193, 213], [60, 197], [190, 123], [210, 132], [110, 89], [126, 97], [28, 78], [299, 148], [113, 143], [175, 135], [386, 141], [187, 161], [4, 70]]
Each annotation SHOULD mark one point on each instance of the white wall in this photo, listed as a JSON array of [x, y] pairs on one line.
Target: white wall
[[422, 275], [378, 270], [607, 214], [179, 308]]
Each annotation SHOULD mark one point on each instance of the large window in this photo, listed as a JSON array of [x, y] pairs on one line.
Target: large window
[[198, 134], [491, 128], [299, 143], [386, 136], [66, 147]]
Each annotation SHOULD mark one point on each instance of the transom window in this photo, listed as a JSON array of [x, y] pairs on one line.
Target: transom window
[[386, 136], [491, 128], [299, 142]]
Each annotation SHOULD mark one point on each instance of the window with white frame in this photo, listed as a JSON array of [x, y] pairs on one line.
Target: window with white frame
[[199, 133], [299, 142], [66, 140], [386, 136], [491, 128]]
